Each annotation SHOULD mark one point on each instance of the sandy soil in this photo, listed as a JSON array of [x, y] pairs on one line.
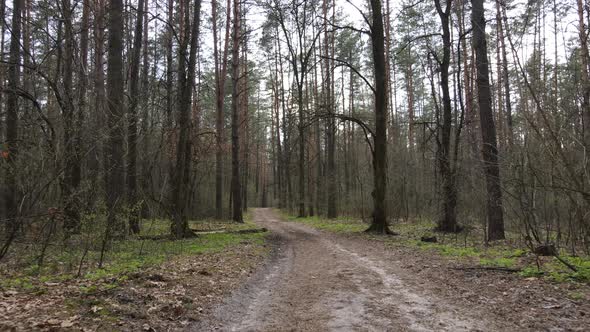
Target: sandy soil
[[317, 281]]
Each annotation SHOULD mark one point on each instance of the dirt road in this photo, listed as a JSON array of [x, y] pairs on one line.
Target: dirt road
[[321, 282]]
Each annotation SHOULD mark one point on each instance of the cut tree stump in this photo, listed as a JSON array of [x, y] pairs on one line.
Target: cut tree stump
[[545, 250]]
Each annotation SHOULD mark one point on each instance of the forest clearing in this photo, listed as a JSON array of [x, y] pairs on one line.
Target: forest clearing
[[298, 165]]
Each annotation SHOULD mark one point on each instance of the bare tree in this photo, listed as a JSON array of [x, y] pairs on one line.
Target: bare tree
[[300, 53]]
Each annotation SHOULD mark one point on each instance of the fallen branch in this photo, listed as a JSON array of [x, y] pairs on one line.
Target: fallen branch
[[240, 231], [486, 268], [566, 263]]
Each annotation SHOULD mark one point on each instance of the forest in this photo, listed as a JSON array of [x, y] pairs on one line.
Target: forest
[[216, 138]]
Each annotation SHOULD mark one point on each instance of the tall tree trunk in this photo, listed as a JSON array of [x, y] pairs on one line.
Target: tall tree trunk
[[82, 91], [585, 59], [186, 78], [504, 72], [169, 70], [280, 183], [318, 147], [379, 222], [2, 76], [114, 166], [331, 121], [389, 67], [410, 95], [71, 179], [11, 193], [132, 122], [220, 75], [146, 179], [495, 213], [235, 116], [281, 153], [288, 193], [301, 163], [245, 123], [449, 221], [168, 122], [27, 55], [98, 121]]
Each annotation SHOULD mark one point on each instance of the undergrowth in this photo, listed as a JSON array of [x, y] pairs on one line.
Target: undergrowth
[[124, 256]]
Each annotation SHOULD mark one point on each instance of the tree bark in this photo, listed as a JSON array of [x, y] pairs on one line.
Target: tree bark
[[132, 122], [504, 74], [14, 58], [98, 120], [495, 215], [279, 159], [246, 122], [331, 122], [379, 222], [2, 77], [114, 166], [448, 223], [82, 91], [585, 59], [235, 118], [220, 76], [186, 77], [71, 179], [146, 178]]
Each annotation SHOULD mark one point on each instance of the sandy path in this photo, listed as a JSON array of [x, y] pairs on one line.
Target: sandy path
[[321, 282]]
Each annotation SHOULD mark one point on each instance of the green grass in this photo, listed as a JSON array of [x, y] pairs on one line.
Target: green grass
[[340, 225], [125, 256]]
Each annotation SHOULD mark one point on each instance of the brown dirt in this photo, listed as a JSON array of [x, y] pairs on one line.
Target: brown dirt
[[317, 281]]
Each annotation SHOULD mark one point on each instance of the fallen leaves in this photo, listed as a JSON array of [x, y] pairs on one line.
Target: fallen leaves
[[159, 298]]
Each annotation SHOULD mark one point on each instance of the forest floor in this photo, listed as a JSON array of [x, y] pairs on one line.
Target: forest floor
[[146, 284], [318, 280], [305, 274]]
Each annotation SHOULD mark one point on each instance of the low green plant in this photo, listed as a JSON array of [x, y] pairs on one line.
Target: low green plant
[[124, 256], [576, 296], [531, 271], [498, 262], [340, 225]]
